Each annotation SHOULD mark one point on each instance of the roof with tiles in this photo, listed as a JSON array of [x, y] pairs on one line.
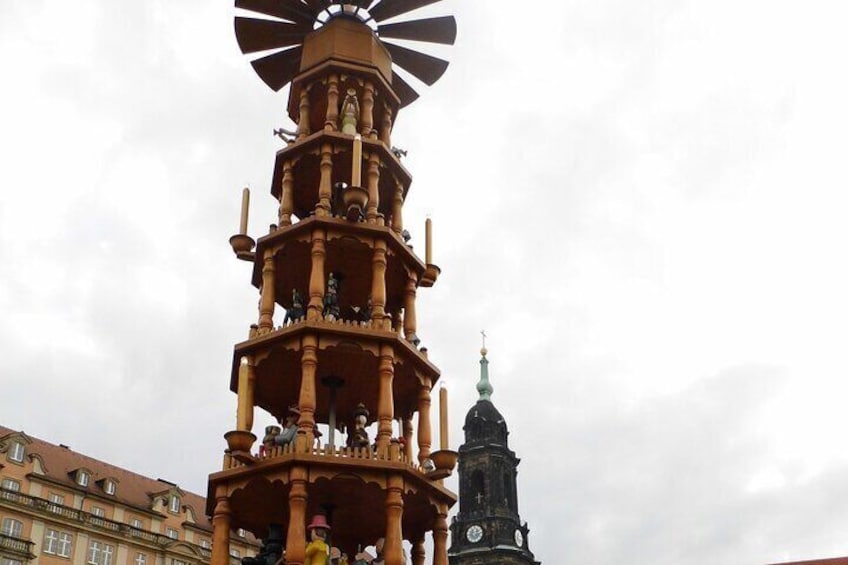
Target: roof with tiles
[[59, 464]]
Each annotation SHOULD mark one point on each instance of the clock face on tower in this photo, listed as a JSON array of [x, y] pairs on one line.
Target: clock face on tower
[[519, 538], [474, 533]]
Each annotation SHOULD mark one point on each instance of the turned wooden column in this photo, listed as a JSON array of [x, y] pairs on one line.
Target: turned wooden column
[[373, 188], [393, 547], [331, 122], [316, 276], [424, 430], [366, 113], [266, 299], [397, 209], [246, 382], [419, 554], [221, 528], [296, 536], [287, 195], [386, 127], [440, 536], [386, 402], [409, 323], [325, 187], [303, 127], [306, 402], [378, 283]]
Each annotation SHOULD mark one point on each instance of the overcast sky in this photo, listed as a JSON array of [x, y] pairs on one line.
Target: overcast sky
[[642, 202]]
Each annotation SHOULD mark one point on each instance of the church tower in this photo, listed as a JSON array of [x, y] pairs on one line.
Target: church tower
[[488, 528]]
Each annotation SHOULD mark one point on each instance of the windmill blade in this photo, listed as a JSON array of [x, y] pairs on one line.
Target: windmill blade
[[434, 30], [259, 35], [426, 68], [405, 92], [292, 10], [278, 69], [389, 8]]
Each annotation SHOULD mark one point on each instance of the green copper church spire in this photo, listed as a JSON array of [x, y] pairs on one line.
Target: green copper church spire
[[484, 387]]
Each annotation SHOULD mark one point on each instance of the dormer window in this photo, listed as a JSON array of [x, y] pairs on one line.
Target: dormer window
[[82, 478], [174, 504], [16, 452], [109, 486], [241, 533]]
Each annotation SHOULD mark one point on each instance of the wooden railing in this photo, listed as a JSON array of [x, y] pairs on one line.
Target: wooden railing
[[394, 454]]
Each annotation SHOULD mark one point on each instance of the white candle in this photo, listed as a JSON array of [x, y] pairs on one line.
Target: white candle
[[245, 203]]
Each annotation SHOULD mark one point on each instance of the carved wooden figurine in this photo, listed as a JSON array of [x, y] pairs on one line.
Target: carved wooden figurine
[[317, 551], [289, 431], [359, 435], [296, 311], [350, 112], [331, 298]]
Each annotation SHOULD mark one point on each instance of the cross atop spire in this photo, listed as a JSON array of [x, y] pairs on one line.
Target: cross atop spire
[[484, 387]]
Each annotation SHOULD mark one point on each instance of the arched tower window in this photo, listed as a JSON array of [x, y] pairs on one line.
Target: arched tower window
[[509, 491], [478, 489]]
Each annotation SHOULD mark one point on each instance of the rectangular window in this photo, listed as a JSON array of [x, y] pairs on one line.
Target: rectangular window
[[175, 504], [56, 502], [172, 533], [106, 556], [65, 543], [12, 527], [95, 548], [178, 562], [51, 542], [10, 486], [82, 478], [205, 544], [16, 452], [7, 561], [140, 559], [240, 532], [235, 553], [109, 487]]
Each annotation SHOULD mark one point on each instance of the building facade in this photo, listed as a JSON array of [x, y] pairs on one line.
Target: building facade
[[59, 507], [488, 529]]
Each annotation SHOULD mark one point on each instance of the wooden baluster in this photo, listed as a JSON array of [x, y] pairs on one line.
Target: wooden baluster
[[366, 113], [296, 538], [316, 277], [331, 122], [266, 299], [287, 195], [424, 430], [393, 546]]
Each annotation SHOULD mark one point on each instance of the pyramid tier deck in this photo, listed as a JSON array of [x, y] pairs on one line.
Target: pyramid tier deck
[[347, 248], [359, 493], [299, 166], [345, 351]]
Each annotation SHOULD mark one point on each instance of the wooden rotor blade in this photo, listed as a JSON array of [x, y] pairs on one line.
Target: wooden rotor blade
[[278, 69], [434, 30], [259, 35], [405, 92], [386, 9], [292, 10], [426, 68]]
